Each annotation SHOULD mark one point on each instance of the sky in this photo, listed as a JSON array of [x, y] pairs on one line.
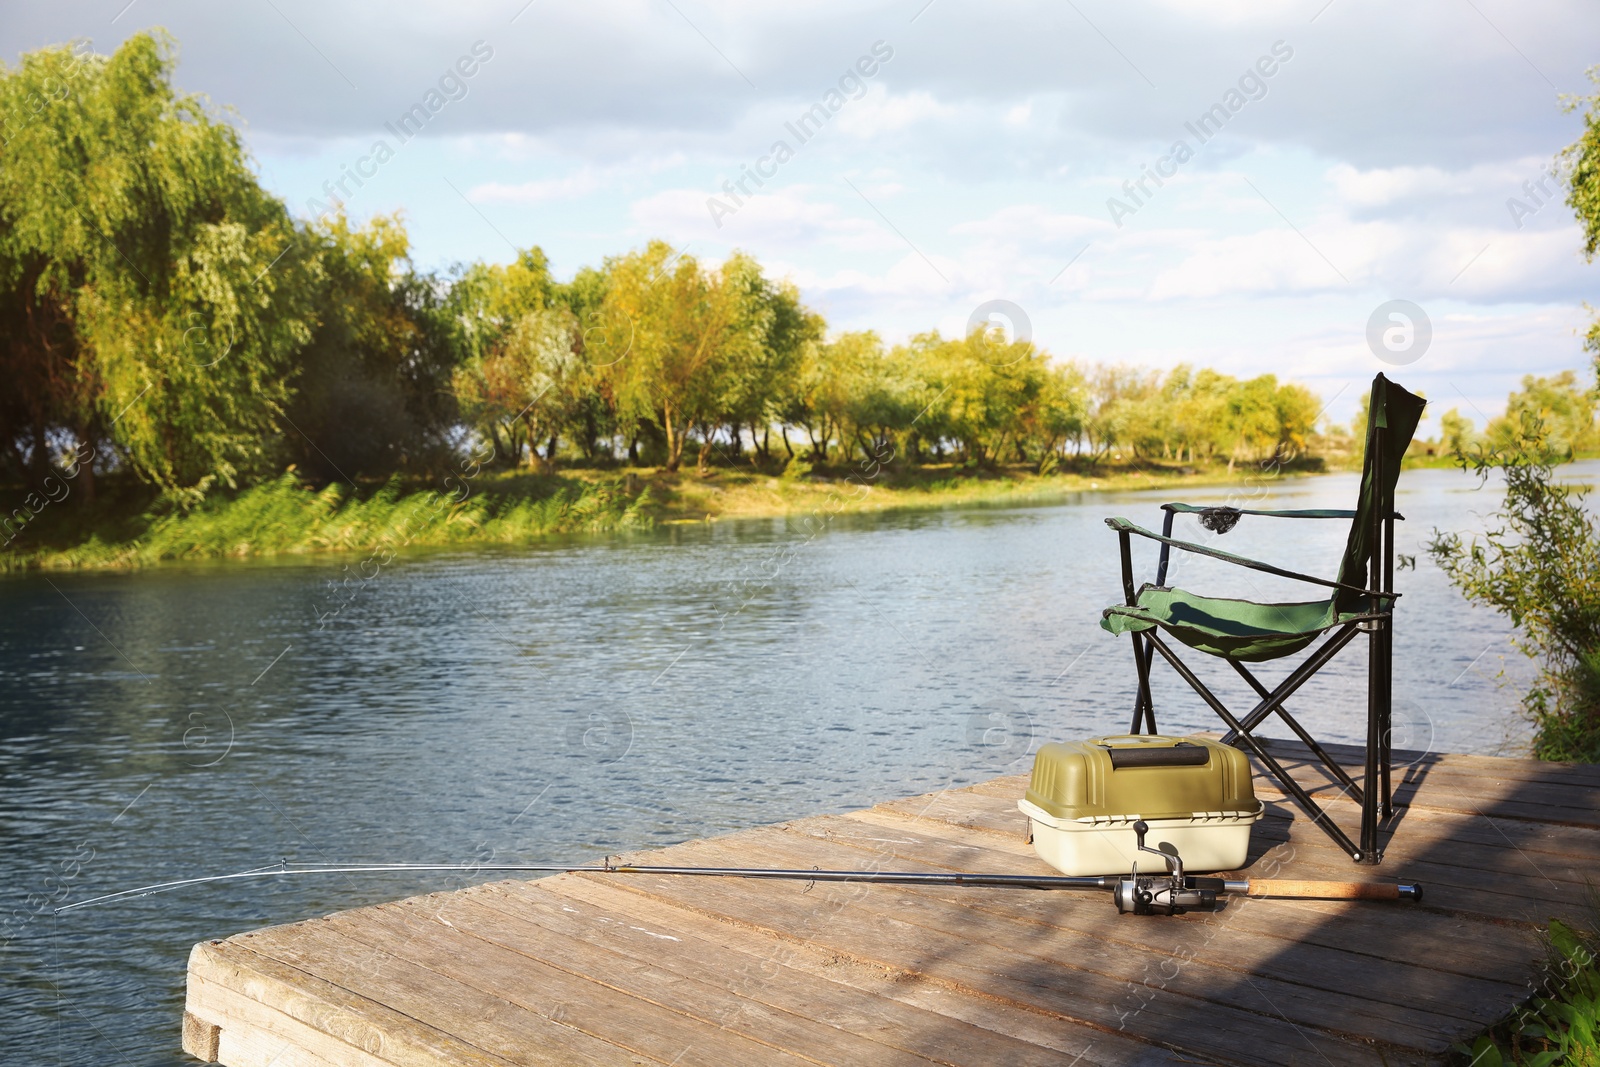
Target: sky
[[1249, 185]]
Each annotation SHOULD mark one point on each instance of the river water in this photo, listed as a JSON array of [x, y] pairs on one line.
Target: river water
[[594, 696]]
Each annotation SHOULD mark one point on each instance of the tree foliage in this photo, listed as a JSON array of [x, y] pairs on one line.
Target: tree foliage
[[1562, 409], [141, 302], [1540, 566], [372, 389], [699, 342], [1579, 166]]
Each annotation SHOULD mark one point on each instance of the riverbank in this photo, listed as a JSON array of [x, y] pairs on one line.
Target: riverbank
[[125, 530]]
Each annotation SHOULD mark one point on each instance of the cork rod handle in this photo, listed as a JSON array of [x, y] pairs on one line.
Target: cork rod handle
[[1289, 887]]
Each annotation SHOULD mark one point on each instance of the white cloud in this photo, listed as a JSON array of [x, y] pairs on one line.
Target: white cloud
[[1032, 224], [1375, 188], [1420, 188], [789, 219], [1233, 12], [536, 192], [880, 112], [1267, 262]]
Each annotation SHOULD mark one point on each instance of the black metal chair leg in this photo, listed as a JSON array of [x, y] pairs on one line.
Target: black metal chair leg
[[1370, 852], [1143, 707], [1385, 756]]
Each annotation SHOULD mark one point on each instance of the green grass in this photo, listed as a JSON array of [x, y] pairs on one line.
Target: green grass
[[1560, 1025], [129, 527], [285, 517]]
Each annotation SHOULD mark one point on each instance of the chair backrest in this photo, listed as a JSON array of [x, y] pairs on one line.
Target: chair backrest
[[1392, 417]]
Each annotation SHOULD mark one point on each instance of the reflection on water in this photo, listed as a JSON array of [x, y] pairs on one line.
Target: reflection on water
[[589, 697]]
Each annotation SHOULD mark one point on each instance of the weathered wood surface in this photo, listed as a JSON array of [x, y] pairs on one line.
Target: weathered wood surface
[[632, 969]]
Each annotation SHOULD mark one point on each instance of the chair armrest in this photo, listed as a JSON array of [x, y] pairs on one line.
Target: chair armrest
[[1123, 526], [1306, 513]]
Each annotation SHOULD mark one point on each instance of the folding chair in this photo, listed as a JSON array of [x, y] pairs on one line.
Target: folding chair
[[1242, 631]]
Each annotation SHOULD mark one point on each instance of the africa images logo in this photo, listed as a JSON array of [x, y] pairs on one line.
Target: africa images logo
[[1252, 85], [803, 128], [452, 86]]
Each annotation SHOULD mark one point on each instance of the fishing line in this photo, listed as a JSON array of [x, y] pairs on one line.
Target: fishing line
[[1143, 894], [286, 869]]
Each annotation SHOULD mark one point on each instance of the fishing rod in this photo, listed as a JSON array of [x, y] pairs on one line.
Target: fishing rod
[[1171, 894]]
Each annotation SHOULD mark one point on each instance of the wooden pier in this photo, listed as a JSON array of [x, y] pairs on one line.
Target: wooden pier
[[635, 969]]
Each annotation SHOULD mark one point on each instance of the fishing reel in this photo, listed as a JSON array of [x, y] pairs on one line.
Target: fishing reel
[[1171, 894]]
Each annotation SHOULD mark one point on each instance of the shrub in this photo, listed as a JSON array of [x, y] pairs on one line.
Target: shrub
[[1539, 565]]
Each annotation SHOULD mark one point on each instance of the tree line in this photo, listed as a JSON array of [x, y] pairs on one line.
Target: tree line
[[164, 317]]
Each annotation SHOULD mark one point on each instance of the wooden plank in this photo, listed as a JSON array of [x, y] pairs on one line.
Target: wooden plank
[[1494, 884], [1460, 841], [1083, 979], [1311, 984], [253, 1032], [1499, 894], [1526, 786], [1414, 828], [1558, 784], [534, 1014], [250, 1048], [1455, 763], [1487, 797], [1514, 848], [761, 979], [345, 1016], [1010, 785], [200, 1038], [1388, 933], [1058, 1036], [505, 941], [653, 969]]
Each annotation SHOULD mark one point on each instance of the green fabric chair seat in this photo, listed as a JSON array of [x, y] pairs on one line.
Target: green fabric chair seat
[[1237, 629]]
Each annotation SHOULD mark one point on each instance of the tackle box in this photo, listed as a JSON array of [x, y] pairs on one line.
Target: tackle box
[[1194, 793]]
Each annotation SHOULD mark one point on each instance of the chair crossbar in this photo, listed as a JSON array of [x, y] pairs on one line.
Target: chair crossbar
[[1236, 729], [1272, 702], [1299, 676], [1334, 768]]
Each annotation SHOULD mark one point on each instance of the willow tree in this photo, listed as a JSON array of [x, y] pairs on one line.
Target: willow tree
[[521, 378], [372, 388], [689, 326], [773, 332], [818, 393], [152, 293], [530, 386], [1058, 415], [1562, 407], [1539, 560], [486, 300]]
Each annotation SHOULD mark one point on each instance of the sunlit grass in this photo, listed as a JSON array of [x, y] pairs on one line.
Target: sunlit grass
[[286, 516]]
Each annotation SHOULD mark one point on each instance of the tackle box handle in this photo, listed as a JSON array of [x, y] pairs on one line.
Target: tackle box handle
[[1182, 754]]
